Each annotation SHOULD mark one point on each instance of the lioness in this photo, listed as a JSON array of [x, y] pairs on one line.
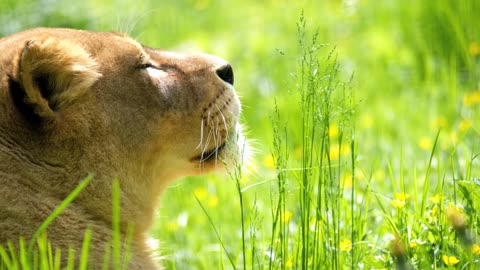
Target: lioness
[[76, 103]]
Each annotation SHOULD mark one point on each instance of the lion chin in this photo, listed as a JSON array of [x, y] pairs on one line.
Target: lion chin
[[76, 103]]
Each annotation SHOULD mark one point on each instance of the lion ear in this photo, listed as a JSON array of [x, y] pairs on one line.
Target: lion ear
[[51, 75]]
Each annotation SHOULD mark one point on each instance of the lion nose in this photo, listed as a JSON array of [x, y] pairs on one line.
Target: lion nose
[[225, 73]]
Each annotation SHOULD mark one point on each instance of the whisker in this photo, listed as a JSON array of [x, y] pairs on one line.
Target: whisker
[[234, 116], [223, 118], [201, 135], [206, 145], [208, 118], [217, 144]]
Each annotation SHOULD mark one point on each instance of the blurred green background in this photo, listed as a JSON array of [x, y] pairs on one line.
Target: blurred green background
[[415, 68]]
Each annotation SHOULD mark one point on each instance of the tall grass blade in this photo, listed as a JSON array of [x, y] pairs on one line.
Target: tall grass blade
[[42, 251], [107, 255], [5, 259], [13, 255], [237, 178], [127, 255], [216, 233], [426, 182], [64, 204], [57, 262], [116, 241], [70, 259], [85, 250]]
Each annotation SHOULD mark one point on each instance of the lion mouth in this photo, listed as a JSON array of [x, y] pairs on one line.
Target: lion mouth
[[209, 155]]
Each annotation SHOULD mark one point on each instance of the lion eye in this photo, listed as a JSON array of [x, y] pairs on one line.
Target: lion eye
[[154, 71], [148, 65]]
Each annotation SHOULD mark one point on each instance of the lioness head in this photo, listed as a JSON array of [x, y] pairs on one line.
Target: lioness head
[[74, 103]]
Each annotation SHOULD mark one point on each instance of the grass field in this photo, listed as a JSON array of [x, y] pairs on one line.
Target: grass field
[[365, 120]]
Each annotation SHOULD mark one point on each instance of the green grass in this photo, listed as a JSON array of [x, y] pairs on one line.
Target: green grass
[[40, 254], [364, 114]]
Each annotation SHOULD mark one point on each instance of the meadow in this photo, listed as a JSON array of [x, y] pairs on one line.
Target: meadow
[[363, 116]]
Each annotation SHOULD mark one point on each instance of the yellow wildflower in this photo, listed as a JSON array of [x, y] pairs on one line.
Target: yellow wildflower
[[201, 193], [413, 244], [346, 245], [476, 249], [472, 98], [450, 260], [333, 131], [402, 196], [287, 216], [474, 48], [269, 162], [398, 203], [441, 122], [436, 199], [337, 150], [464, 125], [289, 263], [346, 180], [212, 201], [425, 143]]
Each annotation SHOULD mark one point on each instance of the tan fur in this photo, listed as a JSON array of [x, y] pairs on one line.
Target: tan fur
[[75, 103]]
